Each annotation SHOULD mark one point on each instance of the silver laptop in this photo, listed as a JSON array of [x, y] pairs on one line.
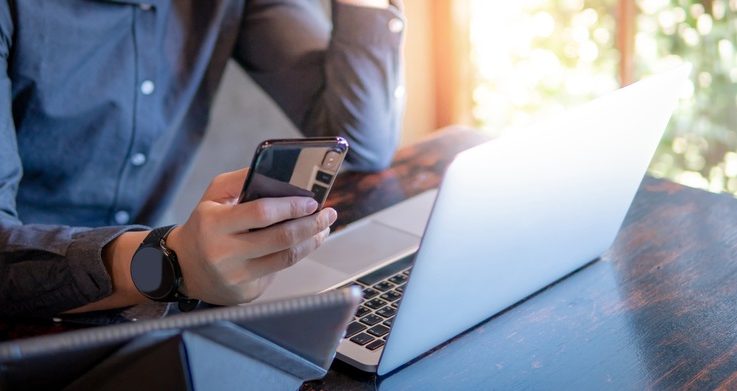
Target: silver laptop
[[510, 217]]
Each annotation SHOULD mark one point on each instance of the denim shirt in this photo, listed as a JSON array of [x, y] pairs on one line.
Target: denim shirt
[[103, 104]]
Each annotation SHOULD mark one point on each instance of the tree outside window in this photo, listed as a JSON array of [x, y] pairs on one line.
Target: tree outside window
[[535, 57]]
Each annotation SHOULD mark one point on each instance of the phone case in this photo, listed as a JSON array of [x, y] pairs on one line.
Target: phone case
[[295, 167]]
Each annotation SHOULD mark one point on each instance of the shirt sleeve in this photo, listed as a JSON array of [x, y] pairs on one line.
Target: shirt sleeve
[[341, 78], [44, 269]]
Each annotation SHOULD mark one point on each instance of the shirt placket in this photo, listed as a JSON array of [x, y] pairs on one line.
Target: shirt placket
[[144, 110]]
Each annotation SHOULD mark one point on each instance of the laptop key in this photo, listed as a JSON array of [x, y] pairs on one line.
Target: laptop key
[[400, 288], [375, 345], [378, 330], [362, 339], [387, 312], [391, 296], [375, 304], [398, 279], [387, 271], [389, 322], [369, 293], [371, 319], [384, 286], [353, 329], [362, 311]]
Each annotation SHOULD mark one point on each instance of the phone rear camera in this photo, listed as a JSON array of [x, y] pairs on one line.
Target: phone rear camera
[[331, 160]]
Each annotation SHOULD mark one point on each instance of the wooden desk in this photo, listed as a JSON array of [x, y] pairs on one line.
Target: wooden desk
[[657, 311]]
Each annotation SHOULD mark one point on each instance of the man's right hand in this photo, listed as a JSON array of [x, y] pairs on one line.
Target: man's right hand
[[223, 261]]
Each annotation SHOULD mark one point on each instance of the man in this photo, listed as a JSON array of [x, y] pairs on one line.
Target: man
[[103, 103]]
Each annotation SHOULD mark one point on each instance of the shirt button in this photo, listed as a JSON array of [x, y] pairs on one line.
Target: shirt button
[[122, 217], [396, 25], [145, 7], [147, 87], [138, 159]]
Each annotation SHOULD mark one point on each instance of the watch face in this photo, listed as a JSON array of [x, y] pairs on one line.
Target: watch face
[[152, 273]]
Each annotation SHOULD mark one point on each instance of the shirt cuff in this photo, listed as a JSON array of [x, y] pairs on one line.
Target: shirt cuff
[[364, 25], [89, 275]]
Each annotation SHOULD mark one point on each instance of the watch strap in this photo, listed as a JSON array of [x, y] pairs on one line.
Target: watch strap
[[157, 237], [157, 234]]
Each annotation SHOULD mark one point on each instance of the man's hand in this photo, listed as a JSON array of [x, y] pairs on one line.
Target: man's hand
[[223, 261]]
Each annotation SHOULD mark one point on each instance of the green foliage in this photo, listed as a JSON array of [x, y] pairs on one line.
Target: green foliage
[[535, 57], [700, 143]]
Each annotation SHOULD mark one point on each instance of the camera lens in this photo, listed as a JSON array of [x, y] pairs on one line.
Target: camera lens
[[330, 162]]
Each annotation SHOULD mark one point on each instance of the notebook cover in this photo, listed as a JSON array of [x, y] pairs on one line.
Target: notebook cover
[[310, 327]]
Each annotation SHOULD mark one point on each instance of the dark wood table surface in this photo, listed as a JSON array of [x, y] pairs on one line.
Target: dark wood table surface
[[657, 311]]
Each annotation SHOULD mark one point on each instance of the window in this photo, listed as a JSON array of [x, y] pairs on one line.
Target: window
[[534, 57]]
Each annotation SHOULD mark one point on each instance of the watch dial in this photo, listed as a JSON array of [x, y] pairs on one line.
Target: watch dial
[[152, 273]]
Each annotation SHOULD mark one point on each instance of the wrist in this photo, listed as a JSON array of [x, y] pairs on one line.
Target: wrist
[[156, 272], [174, 243], [117, 256]]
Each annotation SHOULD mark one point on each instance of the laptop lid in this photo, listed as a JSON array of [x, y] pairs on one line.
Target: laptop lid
[[517, 213]]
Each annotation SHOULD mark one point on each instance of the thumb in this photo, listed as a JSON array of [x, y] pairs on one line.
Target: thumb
[[226, 186]]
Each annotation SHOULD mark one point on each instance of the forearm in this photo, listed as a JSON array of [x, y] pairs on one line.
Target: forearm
[[46, 270], [341, 79], [117, 257], [361, 97]]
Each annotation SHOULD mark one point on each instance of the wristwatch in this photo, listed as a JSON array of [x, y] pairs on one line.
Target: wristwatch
[[156, 273]]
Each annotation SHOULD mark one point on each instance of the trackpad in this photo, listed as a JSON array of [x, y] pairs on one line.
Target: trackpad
[[306, 277], [361, 246]]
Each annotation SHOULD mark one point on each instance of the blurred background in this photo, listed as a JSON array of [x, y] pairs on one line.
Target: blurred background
[[497, 65]]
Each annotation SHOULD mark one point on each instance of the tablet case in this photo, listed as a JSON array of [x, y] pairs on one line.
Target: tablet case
[[272, 345]]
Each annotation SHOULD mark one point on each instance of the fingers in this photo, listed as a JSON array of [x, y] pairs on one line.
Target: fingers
[[285, 235], [272, 263], [226, 186], [264, 212]]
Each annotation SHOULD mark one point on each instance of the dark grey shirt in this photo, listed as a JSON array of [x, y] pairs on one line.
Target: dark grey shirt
[[103, 104]]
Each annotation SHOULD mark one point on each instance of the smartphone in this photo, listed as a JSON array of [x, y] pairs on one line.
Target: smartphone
[[303, 167]]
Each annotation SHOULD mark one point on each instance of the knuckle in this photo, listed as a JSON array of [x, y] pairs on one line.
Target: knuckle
[[324, 220], [218, 179], [261, 211], [286, 235], [318, 224], [291, 256], [320, 238], [215, 182], [295, 208]]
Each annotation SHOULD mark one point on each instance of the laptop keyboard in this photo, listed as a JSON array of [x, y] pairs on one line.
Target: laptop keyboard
[[382, 291]]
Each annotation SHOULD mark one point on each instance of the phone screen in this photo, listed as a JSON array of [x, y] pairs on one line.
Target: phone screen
[[299, 167]]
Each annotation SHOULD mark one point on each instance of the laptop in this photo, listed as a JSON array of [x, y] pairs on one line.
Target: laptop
[[511, 216]]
